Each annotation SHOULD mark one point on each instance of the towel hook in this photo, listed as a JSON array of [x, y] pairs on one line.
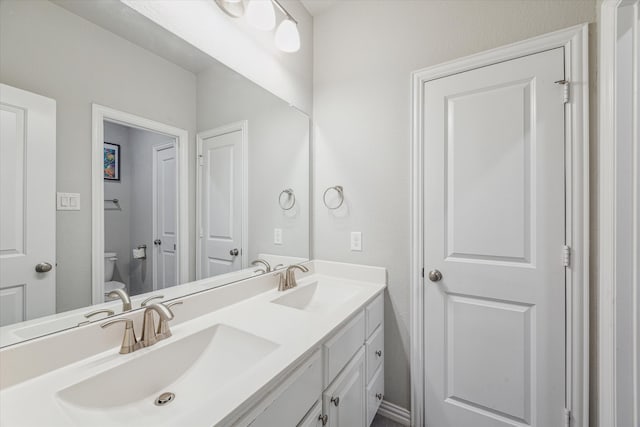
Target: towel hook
[[291, 197], [338, 189]]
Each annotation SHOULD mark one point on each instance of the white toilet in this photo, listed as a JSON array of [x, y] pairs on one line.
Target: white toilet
[[110, 259]]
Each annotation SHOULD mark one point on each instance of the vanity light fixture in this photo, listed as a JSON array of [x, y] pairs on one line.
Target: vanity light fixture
[[261, 15], [287, 36], [233, 8]]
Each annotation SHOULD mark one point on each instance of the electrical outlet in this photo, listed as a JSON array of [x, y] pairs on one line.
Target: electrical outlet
[[356, 241], [277, 236]]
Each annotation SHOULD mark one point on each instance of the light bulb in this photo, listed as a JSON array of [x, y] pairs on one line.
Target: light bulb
[[287, 36], [260, 14]]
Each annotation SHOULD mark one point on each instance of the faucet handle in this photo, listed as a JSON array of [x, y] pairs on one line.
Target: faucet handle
[[129, 341], [151, 298], [163, 327]]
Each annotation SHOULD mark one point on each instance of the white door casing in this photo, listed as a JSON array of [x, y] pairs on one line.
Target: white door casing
[[575, 54], [100, 114], [28, 208], [165, 215], [222, 200], [494, 228], [619, 214]]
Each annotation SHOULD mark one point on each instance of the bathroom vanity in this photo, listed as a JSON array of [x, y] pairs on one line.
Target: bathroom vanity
[[243, 354]]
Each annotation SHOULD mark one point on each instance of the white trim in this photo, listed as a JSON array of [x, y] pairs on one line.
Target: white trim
[[100, 114], [154, 207], [611, 183], [242, 126], [574, 40], [395, 413]]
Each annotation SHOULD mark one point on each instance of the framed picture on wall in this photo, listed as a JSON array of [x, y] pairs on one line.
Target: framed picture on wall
[[111, 162]]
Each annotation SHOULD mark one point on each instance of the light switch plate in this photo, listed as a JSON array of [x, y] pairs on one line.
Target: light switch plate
[[356, 241], [68, 201], [277, 236]]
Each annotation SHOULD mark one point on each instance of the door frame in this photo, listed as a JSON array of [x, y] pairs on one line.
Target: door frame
[[154, 211], [574, 40], [610, 287], [100, 114], [242, 126]]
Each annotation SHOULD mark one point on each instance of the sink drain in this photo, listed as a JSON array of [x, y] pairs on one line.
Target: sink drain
[[165, 398]]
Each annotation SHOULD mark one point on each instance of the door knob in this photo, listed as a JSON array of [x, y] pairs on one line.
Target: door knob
[[234, 252], [324, 418], [157, 242], [43, 267], [335, 401], [435, 275]]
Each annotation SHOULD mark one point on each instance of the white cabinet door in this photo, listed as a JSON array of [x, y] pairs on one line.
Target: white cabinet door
[[344, 401], [495, 229], [314, 418], [27, 205]]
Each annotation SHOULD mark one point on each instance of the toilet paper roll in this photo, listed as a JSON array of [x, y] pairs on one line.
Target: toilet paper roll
[[139, 253]]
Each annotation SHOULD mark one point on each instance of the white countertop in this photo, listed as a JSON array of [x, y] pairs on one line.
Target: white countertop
[[297, 333]]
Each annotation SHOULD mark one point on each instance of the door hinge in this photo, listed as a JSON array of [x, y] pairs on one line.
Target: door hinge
[[423, 272], [200, 159], [567, 418], [565, 90], [566, 255], [201, 233]]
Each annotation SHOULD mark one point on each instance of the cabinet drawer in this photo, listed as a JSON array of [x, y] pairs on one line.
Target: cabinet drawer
[[313, 417], [289, 403], [375, 314], [375, 352], [375, 394], [340, 348]]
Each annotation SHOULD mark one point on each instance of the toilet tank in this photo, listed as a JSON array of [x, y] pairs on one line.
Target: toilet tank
[[110, 259]]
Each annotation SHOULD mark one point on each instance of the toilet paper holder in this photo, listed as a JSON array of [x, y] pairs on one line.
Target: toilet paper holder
[[140, 252]]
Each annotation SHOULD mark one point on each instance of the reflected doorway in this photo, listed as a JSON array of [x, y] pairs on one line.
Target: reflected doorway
[[139, 204], [140, 209]]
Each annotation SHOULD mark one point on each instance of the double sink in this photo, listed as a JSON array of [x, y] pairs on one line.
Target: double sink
[[183, 372]]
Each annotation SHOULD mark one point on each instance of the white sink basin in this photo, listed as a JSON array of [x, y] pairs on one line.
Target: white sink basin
[[318, 297], [192, 368]]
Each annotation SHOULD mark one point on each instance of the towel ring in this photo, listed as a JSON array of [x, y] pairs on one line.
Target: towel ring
[[340, 191], [292, 197]]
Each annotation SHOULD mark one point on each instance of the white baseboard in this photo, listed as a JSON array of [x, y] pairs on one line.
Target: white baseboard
[[395, 413]]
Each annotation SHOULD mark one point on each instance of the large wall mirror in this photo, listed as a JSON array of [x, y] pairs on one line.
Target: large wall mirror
[[131, 162]]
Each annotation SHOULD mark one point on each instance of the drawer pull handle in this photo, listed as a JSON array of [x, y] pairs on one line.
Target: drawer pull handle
[[379, 353], [335, 400], [324, 418], [378, 395]]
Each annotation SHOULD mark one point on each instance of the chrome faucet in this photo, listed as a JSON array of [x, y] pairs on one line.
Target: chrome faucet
[[149, 334], [122, 294], [288, 279], [267, 266]]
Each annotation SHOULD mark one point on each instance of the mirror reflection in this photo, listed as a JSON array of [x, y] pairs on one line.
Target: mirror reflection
[[133, 166]]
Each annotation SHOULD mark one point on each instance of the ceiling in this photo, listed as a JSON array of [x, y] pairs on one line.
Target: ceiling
[[316, 7]]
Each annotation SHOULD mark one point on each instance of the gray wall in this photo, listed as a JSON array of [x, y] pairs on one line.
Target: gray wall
[[117, 221], [64, 57], [364, 52], [278, 156]]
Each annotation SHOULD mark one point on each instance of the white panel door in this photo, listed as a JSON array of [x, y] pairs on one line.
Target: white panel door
[[221, 203], [165, 215], [27, 208], [494, 228]]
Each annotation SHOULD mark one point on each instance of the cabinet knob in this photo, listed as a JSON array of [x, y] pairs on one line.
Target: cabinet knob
[[379, 353], [324, 419], [335, 400], [379, 396]]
